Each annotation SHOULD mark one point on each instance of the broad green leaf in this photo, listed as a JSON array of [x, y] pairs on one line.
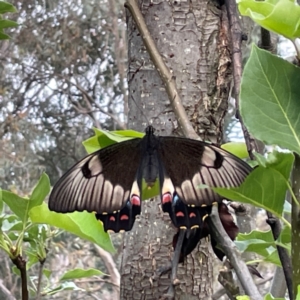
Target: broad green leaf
[[264, 187], [18, 205], [260, 242], [22, 205], [270, 99], [10, 223], [6, 7], [237, 148], [103, 138], [80, 273], [7, 23], [32, 258], [4, 36], [298, 292], [82, 224], [270, 297], [285, 235], [273, 258], [279, 16], [40, 191]]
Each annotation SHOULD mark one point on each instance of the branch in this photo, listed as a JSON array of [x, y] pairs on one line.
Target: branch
[[112, 270], [6, 292], [88, 100], [20, 263], [230, 250], [163, 71], [38, 290], [219, 293], [236, 38], [295, 226]]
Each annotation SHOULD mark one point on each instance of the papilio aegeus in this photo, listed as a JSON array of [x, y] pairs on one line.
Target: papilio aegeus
[[109, 181]]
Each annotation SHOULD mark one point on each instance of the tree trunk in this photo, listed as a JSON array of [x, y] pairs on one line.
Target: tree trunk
[[192, 38]]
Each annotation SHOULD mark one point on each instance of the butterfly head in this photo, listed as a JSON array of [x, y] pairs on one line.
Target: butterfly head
[[149, 130]]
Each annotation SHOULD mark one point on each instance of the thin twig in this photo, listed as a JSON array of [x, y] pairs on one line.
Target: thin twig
[[6, 292], [164, 72], [230, 250], [236, 38], [39, 283]]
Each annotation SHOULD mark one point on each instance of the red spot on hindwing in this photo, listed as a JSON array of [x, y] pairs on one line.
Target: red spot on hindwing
[[135, 200], [180, 214], [112, 219], [124, 218], [166, 198], [192, 215]]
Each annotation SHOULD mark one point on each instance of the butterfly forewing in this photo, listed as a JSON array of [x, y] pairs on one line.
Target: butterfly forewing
[[101, 182], [190, 164]]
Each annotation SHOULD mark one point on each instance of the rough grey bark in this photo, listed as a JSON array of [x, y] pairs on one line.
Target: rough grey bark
[[191, 37]]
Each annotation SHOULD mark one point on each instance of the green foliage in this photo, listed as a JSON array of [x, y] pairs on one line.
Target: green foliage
[[270, 297], [4, 23], [270, 100], [262, 243], [237, 148], [82, 224], [104, 138], [27, 230], [80, 273], [279, 16], [266, 185]]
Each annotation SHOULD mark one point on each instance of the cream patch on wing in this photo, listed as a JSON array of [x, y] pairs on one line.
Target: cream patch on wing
[[95, 165], [208, 157]]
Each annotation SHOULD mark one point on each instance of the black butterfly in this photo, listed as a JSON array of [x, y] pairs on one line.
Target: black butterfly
[[109, 181]]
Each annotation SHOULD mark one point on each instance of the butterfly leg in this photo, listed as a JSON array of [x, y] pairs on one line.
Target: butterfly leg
[[175, 262]]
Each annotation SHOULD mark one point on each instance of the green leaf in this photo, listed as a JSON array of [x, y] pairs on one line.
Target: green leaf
[[18, 205], [237, 148], [270, 297], [82, 224], [4, 36], [21, 205], [244, 297], [66, 286], [260, 242], [7, 24], [270, 99], [264, 187], [273, 258], [6, 7], [298, 292], [80, 273], [103, 138], [256, 241], [285, 235], [10, 223], [47, 273], [279, 16], [40, 191]]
